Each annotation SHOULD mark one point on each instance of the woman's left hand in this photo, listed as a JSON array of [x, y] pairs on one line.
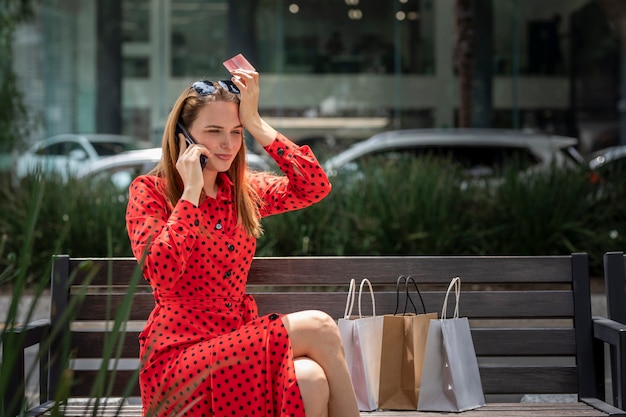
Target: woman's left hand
[[248, 84]]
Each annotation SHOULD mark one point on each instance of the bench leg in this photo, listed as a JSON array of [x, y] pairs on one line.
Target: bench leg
[[618, 370]]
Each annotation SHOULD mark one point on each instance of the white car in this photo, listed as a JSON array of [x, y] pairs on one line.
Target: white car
[[123, 168], [65, 154], [608, 168], [481, 152]]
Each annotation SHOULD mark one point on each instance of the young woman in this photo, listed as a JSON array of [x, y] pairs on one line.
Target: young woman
[[204, 350]]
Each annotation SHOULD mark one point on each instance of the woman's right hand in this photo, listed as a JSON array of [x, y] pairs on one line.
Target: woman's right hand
[[190, 171]]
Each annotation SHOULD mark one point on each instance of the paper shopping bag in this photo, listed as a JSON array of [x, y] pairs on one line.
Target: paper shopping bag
[[402, 354], [450, 378], [362, 338]]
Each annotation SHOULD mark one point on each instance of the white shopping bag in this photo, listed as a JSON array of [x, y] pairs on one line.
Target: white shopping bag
[[450, 377], [362, 340]]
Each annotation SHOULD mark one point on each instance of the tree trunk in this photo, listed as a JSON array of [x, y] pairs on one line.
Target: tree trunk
[[616, 13], [464, 52], [482, 79], [109, 67]]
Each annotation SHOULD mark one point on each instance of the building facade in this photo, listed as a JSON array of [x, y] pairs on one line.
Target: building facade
[[329, 68]]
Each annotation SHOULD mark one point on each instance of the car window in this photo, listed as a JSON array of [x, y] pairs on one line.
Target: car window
[[54, 149], [120, 177], [474, 160], [572, 154], [59, 149], [111, 148]]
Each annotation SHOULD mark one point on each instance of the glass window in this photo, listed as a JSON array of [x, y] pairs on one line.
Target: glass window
[[198, 37], [136, 67], [532, 36], [349, 36], [136, 20]]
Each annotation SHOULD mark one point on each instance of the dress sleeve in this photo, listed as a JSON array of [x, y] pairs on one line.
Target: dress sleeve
[[163, 237], [304, 183]]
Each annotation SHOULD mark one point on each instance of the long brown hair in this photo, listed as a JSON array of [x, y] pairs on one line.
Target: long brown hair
[[186, 109]]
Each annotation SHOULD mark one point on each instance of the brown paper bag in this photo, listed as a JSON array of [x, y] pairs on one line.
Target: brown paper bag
[[402, 355]]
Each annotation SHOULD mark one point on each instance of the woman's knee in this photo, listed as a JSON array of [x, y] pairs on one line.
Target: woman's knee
[[313, 386], [313, 327], [324, 323]]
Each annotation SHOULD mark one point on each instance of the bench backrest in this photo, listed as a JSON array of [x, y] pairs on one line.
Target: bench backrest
[[535, 309]]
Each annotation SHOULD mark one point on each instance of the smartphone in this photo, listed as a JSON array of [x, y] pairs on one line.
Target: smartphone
[[181, 129]]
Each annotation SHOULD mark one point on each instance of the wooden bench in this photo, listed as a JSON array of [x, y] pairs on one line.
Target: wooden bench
[[530, 316], [615, 289]]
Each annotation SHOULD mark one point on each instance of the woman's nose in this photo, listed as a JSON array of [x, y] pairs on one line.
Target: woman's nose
[[226, 142]]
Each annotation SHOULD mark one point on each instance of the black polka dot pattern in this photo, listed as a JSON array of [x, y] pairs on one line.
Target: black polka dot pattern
[[204, 350]]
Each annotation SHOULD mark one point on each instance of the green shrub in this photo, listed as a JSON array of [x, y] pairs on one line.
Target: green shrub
[[30, 200], [546, 213], [74, 217], [423, 207]]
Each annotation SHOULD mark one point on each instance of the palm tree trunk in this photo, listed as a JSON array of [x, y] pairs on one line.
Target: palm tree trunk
[[616, 13], [109, 64]]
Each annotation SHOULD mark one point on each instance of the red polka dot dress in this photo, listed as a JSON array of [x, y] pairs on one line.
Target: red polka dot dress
[[204, 349]]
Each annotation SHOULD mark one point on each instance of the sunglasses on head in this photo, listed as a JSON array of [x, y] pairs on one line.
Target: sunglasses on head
[[205, 87]]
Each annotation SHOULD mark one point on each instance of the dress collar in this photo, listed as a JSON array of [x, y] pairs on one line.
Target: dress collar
[[225, 187]]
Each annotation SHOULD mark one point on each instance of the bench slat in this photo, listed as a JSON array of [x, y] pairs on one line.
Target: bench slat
[[495, 380], [121, 380], [524, 342], [529, 379], [474, 304], [435, 269], [487, 342], [317, 270]]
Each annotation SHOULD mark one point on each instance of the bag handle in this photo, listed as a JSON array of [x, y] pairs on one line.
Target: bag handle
[[456, 283], [369, 284], [408, 296], [350, 301]]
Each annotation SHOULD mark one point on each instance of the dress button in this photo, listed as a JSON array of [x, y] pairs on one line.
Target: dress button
[[281, 151], [231, 247], [229, 305], [218, 226], [228, 274], [274, 316], [197, 222]]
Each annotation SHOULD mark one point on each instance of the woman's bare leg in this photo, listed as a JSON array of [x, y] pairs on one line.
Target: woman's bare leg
[[314, 334], [313, 386]]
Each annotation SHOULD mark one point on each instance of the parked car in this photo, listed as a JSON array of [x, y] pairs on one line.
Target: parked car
[[123, 168], [480, 152], [608, 171], [65, 154]]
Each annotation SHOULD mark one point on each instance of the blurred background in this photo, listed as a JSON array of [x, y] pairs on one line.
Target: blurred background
[[331, 70], [85, 80]]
